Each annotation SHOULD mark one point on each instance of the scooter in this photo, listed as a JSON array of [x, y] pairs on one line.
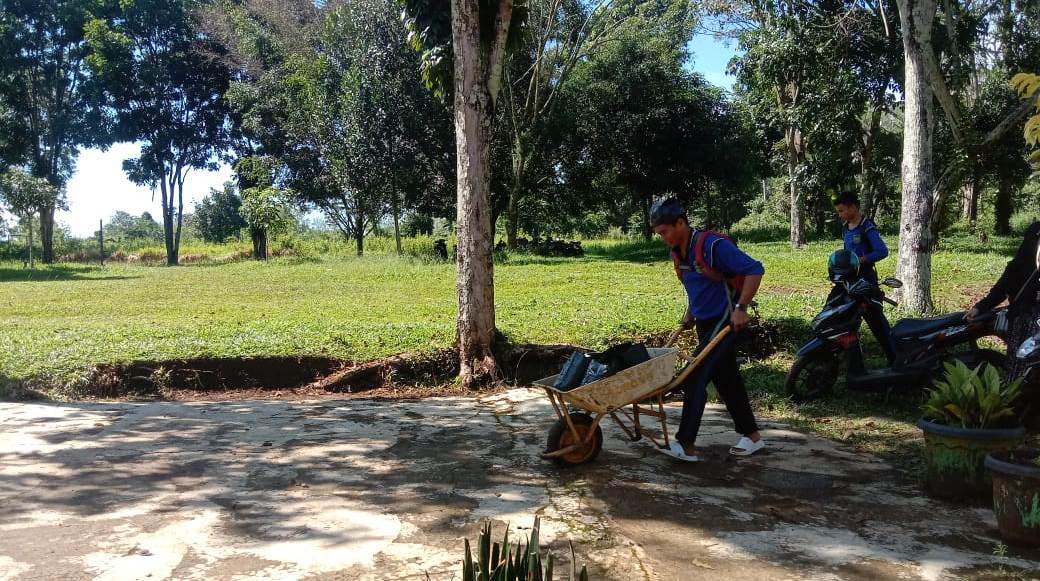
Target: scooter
[[1027, 368], [921, 345]]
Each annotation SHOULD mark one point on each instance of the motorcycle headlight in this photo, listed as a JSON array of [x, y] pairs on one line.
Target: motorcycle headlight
[[1029, 347]]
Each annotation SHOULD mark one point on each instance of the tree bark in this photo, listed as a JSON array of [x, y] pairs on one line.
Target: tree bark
[[1002, 208], [797, 207], [359, 232], [914, 266], [259, 238], [970, 196], [180, 216], [475, 330], [648, 228], [513, 215], [32, 261], [397, 231], [167, 213], [47, 234]]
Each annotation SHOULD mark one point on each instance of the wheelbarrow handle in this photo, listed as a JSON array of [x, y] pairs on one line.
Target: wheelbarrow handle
[[674, 336], [696, 361]]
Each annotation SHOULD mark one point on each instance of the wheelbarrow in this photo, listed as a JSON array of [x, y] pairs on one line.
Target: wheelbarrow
[[625, 397]]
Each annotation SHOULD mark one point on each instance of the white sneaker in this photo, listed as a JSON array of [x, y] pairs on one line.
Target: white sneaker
[[675, 450], [745, 447]]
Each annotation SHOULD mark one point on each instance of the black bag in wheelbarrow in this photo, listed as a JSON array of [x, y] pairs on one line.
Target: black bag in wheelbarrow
[[585, 368]]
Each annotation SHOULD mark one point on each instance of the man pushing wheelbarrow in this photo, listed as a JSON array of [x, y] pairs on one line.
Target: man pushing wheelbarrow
[[720, 283]]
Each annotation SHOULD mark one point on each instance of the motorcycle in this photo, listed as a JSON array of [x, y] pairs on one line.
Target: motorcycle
[[921, 345], [1027, 368]]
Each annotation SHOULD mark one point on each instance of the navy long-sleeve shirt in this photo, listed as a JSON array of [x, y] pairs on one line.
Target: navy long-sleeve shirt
[[865, 241], [708, 299]]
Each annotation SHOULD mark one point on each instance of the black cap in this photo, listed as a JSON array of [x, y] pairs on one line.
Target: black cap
[[666, 211]]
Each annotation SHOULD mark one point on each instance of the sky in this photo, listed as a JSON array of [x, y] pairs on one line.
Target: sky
[[99, 186]]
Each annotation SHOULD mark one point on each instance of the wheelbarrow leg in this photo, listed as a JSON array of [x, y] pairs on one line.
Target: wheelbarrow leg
[[632, 437], [664, 419]]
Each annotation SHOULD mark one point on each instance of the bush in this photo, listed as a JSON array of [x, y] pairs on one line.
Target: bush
[[764, 225], [971, 398], [1021, 221]]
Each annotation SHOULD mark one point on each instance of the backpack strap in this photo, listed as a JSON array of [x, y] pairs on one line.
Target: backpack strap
[[699, 241]]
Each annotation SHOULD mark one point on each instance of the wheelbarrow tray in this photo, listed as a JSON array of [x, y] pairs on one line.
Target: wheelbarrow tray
[[624, 387], [576, 437]]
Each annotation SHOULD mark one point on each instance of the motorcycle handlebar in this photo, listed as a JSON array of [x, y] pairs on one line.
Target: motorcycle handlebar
[[890, 301]]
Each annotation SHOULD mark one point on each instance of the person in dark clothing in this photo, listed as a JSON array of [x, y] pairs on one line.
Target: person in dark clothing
[[698, 263], [861, 236], [1019, 284]]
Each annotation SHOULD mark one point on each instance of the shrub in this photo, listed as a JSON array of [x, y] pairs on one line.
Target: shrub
[[508, 562], [971, 398]]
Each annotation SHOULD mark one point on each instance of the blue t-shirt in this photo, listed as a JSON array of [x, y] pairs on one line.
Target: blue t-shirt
[[865, 241], [709, 299]]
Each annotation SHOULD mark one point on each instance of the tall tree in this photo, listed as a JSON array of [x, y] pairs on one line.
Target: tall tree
[[810, 69], [43, 85], [637, 124], [914, 266], [559, 34], [938, 70], [340, 112], [24, 195], [476, 38], [218, 216], [165, 89]]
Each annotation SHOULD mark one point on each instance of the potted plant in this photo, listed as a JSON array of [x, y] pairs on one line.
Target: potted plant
[[968, 414], [1016, 494]]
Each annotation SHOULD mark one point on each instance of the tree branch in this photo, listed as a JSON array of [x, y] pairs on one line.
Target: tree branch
[[498, 49]]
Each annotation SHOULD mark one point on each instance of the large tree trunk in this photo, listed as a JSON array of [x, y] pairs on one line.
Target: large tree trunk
[[47, 234], [914, 266], [797, 207], [32, 261], [359, 231], [397, 231], [644, 207], [970, 197], [167, 213], [1002, 209], [180, 215], [475, 331], [512, 215], [258, 235]]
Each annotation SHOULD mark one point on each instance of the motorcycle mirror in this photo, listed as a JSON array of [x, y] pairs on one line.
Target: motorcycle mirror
[[892, 282]]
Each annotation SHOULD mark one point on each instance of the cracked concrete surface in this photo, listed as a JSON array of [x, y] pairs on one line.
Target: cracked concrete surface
[[387, 490]]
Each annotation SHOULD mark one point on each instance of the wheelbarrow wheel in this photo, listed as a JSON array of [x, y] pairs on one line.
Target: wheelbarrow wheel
[[560, 437]]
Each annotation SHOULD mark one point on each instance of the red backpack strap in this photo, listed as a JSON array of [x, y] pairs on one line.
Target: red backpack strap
[[736, 282], [698, 256]]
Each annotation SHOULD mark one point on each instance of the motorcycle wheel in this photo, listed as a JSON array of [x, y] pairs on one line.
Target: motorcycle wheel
[[812, 376]]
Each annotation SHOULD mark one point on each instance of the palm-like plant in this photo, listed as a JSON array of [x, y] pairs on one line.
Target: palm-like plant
[[971, 398], [506, 562]]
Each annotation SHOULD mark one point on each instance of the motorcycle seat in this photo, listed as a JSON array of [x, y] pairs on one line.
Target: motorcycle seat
[[912, 327]]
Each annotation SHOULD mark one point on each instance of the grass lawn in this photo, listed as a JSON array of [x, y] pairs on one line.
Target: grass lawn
[[57, 321]]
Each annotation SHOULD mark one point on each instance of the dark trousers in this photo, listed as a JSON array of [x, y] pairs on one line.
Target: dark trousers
[[721, 369], [874, 315]]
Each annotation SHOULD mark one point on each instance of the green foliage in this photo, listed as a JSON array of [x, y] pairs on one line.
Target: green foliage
[[1027, 85], [266, 208], [25, 194], [971, 398], [218, 216], [123, 228], [506, 561]]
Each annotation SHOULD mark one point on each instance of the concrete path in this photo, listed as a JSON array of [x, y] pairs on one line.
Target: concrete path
[[365, 490]]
